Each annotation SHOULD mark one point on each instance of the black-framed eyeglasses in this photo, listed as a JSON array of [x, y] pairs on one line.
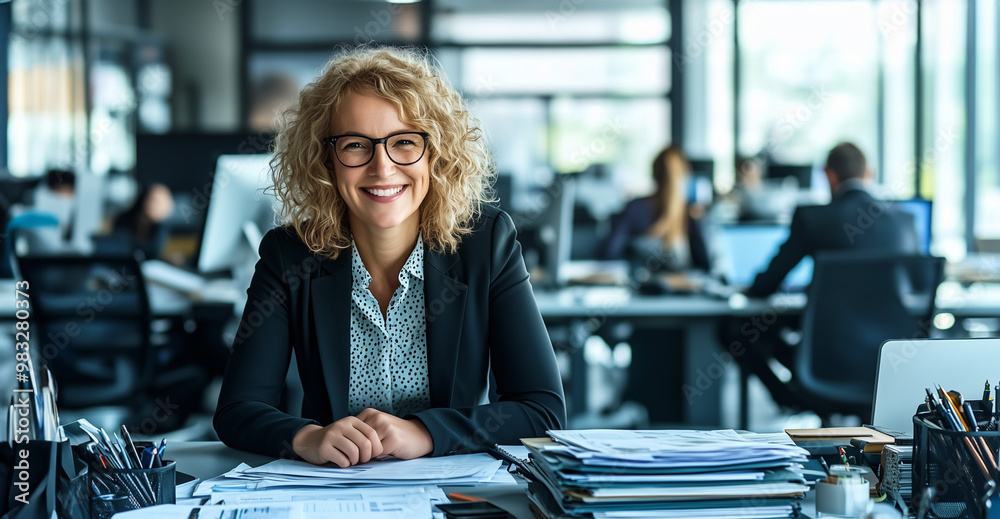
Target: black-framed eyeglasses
[[403, 148]]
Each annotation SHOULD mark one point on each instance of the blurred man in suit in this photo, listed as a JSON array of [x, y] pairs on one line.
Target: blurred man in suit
[[854, 220]]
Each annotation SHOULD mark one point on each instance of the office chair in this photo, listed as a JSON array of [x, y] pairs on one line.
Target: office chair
[[14, 227], [856, 302], [91, 322]]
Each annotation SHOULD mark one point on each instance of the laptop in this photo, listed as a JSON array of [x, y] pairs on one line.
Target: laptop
[[907, 366], [746, 250]]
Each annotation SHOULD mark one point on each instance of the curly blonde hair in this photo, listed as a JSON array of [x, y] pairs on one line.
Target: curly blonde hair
[[461, 168]]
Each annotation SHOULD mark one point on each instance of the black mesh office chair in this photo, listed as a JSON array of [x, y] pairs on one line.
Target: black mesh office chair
[[856, 302], [92, 327]]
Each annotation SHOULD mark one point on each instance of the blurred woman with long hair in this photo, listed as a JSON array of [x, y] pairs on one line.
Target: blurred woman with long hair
[[660, 227]]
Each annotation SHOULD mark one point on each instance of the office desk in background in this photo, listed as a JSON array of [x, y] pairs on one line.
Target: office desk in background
[[163, 301], [206, 460], [585, 309]]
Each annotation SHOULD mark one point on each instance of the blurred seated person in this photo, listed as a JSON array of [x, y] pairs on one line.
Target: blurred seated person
[[142, 226], [754, 203], [854, 220], [846, 223], [55, 196], [659, 231]]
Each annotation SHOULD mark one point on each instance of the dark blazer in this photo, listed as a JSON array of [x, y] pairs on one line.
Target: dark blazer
[[481, 316], [637, 217], [853, 220]]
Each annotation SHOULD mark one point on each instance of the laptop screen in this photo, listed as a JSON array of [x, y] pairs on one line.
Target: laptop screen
[[907, 367], [746, 250], [921, 211]]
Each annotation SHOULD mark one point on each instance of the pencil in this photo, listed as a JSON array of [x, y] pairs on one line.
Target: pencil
[[458, 496]]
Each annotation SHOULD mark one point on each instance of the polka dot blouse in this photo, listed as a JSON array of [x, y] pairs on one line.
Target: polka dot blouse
[[389, 356]]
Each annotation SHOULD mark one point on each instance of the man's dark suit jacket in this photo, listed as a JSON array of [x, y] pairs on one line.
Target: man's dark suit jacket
[[481, 316], [853, 220]]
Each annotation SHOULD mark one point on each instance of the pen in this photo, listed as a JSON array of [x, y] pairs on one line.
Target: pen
[[951, 417], [930, 400], [980, 441], [947, 412], [970, 416], [458, 496], [130, 447], [826, 468], [986, 391], [147, 458], [160, 450], [843, 457]]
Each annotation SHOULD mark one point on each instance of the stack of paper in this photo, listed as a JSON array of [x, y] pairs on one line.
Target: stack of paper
[[615, 473], [471, 469]]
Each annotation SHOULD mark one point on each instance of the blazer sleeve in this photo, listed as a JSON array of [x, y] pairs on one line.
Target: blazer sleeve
[[530, 396], [247, 416], [789, 255]]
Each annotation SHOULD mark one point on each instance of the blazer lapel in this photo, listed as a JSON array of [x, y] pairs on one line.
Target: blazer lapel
[[330, 298], [444, 304]]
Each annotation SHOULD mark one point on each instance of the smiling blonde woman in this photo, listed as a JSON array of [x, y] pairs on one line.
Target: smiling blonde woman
[[399, 290]]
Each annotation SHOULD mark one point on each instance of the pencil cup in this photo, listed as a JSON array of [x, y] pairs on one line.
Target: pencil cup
[[106, 505], [844, 493], [129, 489], [959, 466]]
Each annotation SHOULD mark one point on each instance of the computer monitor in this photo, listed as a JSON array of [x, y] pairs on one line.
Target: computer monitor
[[921, 211], [699, 185], [746, 250], [239, 212], [503, 189], [800, 172], [88, 210], [555, 227]]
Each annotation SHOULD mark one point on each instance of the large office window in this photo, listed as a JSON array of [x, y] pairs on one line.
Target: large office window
[[562, 87], [811, 74], [987, 223], [943, 146], [705, 54], [809, 77]]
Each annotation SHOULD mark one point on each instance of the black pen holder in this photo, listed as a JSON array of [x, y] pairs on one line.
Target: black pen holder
[[129, 489], [960, 467]]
